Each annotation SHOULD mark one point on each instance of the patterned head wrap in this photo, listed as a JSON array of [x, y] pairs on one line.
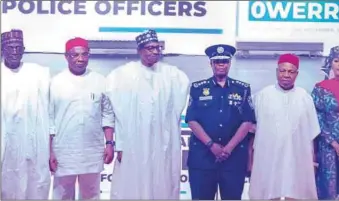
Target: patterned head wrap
[[15, 35], [334, 53], [146, 37]]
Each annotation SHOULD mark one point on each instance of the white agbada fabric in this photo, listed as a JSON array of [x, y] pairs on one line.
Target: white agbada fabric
[[283, 149], [147, 103], [25, 138], [3, 132], [79, 109]]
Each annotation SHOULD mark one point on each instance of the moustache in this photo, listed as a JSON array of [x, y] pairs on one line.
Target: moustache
[[14, 57]]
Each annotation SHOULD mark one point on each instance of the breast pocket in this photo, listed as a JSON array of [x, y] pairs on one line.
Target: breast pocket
[[93, 102], [206, 111], [94, 97], [205, 104], [92, 108]]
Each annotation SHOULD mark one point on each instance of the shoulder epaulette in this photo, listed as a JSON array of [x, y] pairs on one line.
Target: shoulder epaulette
[[240, 83], [200, 83]]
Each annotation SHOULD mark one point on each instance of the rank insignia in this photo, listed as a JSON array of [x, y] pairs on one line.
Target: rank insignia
[[235, 96], [206, 91], [220, 50], [197, 84], [242, 83]]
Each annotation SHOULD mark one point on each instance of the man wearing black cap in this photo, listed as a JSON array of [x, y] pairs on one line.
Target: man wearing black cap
[[148, 98], [24, 123], [220, 114]]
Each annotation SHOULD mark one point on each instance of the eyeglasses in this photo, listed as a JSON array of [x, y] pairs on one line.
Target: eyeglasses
[[152, 48], [76, 55], [11, 48]]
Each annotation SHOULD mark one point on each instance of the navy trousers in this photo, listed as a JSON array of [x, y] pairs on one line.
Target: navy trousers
[[204, 184]]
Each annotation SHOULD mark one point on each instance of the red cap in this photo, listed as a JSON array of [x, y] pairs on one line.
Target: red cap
[[76, 42], [289, 58]]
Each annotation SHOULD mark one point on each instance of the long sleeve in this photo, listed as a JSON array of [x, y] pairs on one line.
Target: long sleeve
[[312, 120], [318, 99], [248, 114], [180, 83], [107, 112], [191, 112], [44, 89], [3, 135], [51, 111], [112, 93]]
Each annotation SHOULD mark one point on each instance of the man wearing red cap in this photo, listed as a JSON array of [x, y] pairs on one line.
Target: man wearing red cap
[[24, 123], [283, 146], [148, 97], [79, 113]]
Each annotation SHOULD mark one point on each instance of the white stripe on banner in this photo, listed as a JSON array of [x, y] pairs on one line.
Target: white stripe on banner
[[47, 25]]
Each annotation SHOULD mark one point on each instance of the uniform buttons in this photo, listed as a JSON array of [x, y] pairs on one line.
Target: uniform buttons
[[220, 125], [222, 96], [220, 110], [219, 139]]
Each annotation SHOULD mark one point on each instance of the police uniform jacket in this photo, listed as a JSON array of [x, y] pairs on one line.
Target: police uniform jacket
[[220, 111]]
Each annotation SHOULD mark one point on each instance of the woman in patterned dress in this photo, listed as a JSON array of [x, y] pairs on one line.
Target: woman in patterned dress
[[326, 99]]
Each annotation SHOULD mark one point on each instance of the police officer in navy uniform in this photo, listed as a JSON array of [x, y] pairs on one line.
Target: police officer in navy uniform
[[220, 115]]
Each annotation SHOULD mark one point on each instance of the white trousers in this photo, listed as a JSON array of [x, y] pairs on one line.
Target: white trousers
[[89, 187]]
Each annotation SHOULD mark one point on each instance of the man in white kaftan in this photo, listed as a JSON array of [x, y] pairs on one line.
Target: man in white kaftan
[[148, 98], [24, 128], [283, 147], [79, 111]]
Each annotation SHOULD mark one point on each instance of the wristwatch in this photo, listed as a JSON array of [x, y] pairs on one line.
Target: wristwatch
[[110, 142], [210, 143]]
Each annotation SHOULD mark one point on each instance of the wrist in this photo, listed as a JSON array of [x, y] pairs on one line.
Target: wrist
[[110, 143], [228, 149], [51, 152], [334, 144], [209, 144]]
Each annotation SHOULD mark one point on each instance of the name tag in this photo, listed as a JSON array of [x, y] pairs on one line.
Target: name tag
[[205, 98]]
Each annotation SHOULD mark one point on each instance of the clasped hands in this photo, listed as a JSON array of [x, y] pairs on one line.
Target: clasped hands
[[221, 152]]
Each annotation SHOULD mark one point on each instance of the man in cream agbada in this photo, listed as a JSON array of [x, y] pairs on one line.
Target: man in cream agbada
[[24, 127], [286, 126], [148, 98]]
